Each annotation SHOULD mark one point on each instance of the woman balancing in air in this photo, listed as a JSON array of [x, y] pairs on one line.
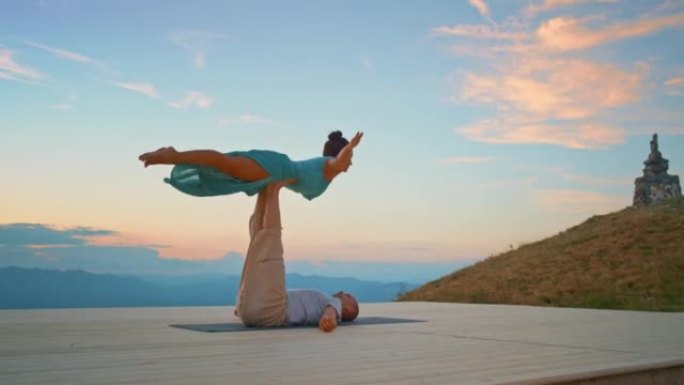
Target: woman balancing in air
[[210, 173]]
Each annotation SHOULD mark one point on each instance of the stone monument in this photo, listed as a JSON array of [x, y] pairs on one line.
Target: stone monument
[[656, 185]]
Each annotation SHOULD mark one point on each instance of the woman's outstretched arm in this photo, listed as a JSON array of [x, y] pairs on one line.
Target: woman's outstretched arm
[[344, 159], [235, 166]]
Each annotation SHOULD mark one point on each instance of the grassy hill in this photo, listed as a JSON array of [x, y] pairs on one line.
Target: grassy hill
[[632, 259]]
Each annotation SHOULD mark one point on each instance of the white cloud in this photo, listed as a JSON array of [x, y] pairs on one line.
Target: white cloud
[[146, 89], [479, 31], [366, 62], [193, 99], [67, 104], [198, 59], [11, 70], [198, 43], [64, 54]]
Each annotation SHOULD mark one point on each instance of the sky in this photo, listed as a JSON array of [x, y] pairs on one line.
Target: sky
[[487, 124]]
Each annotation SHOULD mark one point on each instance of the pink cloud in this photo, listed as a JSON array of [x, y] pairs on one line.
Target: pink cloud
[[674, 82], [675, 86], [548, 5], [554, 88], [561, 172], [576, 135], [597, 181], [542, 88], [565, 34], [579, 201], [11, 70], [481, 7], [547, 100], [504, 184]]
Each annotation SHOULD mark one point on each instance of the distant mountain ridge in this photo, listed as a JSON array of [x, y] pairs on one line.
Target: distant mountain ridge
[[632, 260], [22, 288], [71, 249]]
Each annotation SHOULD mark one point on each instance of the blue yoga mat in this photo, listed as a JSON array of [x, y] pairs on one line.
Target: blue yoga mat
[[239, 327]]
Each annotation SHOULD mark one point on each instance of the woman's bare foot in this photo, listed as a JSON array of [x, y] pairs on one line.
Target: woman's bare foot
[[161, 156]]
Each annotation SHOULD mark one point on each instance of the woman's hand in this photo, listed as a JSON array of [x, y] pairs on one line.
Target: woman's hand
[[343, 160], [356, 139]]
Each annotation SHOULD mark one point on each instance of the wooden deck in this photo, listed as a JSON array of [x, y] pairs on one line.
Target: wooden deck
[[460, 344]]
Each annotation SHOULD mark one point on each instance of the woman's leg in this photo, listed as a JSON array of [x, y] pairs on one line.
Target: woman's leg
[[236, 166]]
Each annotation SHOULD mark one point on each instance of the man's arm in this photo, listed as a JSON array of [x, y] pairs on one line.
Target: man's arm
[[328, 321]]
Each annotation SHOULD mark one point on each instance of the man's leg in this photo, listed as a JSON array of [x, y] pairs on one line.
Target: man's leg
[[263, 299], [256, 223]]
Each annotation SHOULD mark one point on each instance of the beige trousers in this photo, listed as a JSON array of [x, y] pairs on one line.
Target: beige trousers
[[262, 300]]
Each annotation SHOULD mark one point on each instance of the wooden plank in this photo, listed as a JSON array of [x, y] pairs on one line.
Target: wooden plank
[[473, 344]]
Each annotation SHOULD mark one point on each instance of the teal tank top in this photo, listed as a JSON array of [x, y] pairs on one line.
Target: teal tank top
[[203, 181], [309, 173]]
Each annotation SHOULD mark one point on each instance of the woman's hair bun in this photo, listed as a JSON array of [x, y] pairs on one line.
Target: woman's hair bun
[[335, 135], [335, 144]]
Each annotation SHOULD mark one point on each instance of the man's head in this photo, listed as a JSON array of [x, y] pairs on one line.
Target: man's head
[[350, 308]]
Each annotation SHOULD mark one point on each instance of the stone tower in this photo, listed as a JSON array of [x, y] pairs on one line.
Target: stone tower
[[656, 185]]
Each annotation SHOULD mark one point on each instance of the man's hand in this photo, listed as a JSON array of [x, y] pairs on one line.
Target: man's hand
[[328, 321]]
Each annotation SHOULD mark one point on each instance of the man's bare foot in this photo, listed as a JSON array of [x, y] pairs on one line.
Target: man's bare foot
[[276, 186], [161, 156]]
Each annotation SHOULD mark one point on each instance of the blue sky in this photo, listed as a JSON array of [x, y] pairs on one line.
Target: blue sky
[[488, 124]]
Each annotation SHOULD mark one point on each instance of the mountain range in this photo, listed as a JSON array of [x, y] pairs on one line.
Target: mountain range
[[22, 288]]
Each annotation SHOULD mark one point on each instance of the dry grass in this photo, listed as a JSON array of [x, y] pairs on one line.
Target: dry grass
[[632, 259]]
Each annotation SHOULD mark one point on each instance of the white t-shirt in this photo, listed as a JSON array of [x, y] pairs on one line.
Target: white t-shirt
[[306, 306]]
